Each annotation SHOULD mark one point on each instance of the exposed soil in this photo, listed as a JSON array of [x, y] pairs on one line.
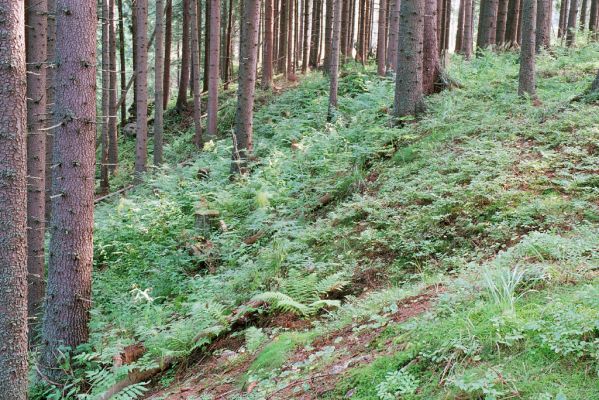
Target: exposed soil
[[314, 369]]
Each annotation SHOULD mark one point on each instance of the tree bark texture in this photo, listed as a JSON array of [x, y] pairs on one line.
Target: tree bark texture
[[572, 24], [527, 83], [185, 57], [104, 184], [543, 29], [334, 58], [307, 36], [13, 197], [68, 298], [122, 61], [487, 24], [113, 149], [283, 36], [502, 11], [393, 35], [195, 65], [141, 88], [242, 138], [408, 84], [430, 66], [159, 73], [460, 28], [468, 37], [168, 39], [381, 47], [213, 78], [37, 44], [511, 30]]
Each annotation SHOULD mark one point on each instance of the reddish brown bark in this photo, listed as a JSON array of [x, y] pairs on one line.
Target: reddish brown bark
[[328, 34], [460, 28], [393, 35], [307, 36], [213, 78], [502, 12], [268, 45], [487, 24], [13, 198], [467, 39], [37, 44], [511, 31], [159, 73], [195, 65], [104, 184], [543, 21], [290, 73], [243, 137], [430, 62], [113, 149], [141, 87], [315, 39], [334, 58], [68, 297], [381, 47], [283, 36]]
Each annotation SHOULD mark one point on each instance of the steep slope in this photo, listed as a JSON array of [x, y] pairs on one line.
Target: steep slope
[[454, 257]]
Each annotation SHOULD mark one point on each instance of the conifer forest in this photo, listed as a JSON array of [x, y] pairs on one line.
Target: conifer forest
[[299, 199]]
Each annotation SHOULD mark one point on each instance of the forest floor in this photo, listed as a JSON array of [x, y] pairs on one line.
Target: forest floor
[[455, 257]]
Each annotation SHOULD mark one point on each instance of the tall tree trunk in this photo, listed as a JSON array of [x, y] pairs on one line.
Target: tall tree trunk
[[37, 44], [113, 149], [334, 57], [487, 24], [195, 65], [430, 63], [243, 134], [122, 61], [381, 46], [460, 28], [583, 13], [227, 46], [290, 74], [527, 53], [519, 39], [315, 40], [563, 18], [307, 36], [467, 40], [543, 28], [328, 34], [296, 36], [51, 56], [594, 18], [268, 45], [393, 35], [132, 29], [275, 33], [345, 17], [511, 31], [572, 26], [213, 67], [168, 39], [361, 55], [352, 28], [283, 36], [185, 57], [408, 84], [447, 25], [68, 299], [13, 197], [159, 73], [207, 46], [502, 12], [141, 88], [104, 184]]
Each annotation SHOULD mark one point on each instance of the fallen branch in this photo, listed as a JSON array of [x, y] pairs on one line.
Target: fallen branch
[[100, 199]]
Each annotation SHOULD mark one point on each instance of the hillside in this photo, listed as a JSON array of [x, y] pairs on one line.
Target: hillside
[[455, 257]]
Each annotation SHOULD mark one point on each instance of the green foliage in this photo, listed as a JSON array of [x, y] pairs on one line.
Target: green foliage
[[397, 384]]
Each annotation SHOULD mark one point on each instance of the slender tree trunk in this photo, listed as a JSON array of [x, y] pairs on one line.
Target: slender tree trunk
[[13, 197], [168, 39], [113, 149], [352, 33], [104, 184], [583, 13], [381, 47], [132, 29], [306, 42], [289, 74], [37, 44], [543, 29], [122, 61], [430, 53], [334, 57], [197, 90], [527, 53], [511, 31], [502, 12], [213, 67], [159, 73], [275, 33], [283, 36], [393, 35], [467, 40], [563, 18], [460, 28], [572, 26], [328, 34], [408, 84], [594, 18], [345, 16], [141, 88], [268, 45], [68, 299], [296, 36], [228, 46], [243, 137], [51, 56], [447, 25], [487, 24], [185, 57], [361, 56], [314, 42], [207, 46], [519, 39]]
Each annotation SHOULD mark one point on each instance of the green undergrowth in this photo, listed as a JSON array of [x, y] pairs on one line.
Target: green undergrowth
[[388, 209]]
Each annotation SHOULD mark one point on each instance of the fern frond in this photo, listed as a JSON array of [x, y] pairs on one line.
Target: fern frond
[[332, 283], [320, 304], [282, 302]]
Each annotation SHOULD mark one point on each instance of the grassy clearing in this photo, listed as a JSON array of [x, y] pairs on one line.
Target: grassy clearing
[[485, 182]]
